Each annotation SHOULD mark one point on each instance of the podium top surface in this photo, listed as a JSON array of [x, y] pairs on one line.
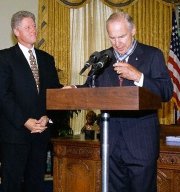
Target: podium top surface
[[103, 98]]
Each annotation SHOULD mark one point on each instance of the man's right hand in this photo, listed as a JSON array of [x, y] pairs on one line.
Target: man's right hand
[[69, 87], [34, 126]]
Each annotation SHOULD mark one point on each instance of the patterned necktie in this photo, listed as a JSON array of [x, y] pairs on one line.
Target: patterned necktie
[[34, 68], [121, 78]]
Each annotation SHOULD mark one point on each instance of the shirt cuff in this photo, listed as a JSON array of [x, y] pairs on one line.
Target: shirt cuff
[[140, 83], [50, 121], [73, 86]]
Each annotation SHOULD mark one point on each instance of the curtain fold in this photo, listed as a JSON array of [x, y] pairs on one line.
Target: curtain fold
[[54, 35], [88, 34]]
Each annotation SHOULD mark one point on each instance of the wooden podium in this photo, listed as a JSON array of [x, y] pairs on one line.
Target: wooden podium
[[104, 98]]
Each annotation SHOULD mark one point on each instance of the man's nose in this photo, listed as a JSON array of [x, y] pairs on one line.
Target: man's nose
[[33, 29], [117, 42]]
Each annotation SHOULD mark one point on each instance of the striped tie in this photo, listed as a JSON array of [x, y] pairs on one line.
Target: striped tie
[[121, 78], [34, 68]]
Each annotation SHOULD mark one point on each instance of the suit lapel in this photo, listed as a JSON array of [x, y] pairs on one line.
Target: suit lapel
[[20, 59], [136, 60], [111, 78], [23, 67]]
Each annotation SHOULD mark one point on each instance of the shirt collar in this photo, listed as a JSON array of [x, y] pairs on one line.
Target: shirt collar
[[25, 49]]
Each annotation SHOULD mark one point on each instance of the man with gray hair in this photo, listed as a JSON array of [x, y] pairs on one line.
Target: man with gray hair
[[133, 136], [25, 74]]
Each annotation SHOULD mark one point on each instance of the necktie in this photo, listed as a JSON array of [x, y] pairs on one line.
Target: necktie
[[120, 78], [120, 81], [34, 68]]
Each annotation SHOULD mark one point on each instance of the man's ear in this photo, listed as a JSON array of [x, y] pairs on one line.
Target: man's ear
[[133, 31], [16, 32]]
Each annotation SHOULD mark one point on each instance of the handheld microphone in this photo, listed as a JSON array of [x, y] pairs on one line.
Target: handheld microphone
[[92, 59], [107, 55]]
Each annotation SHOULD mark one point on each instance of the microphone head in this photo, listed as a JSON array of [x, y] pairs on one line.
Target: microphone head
[[93, 58], [96, 54], [108, 53], [106, 56]]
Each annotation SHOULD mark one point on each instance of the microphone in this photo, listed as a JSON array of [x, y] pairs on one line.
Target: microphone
[[92, 59], [107, 55]]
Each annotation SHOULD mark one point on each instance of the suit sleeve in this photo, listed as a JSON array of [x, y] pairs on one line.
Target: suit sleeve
[[157, 79], [53, 76], [9, 107]]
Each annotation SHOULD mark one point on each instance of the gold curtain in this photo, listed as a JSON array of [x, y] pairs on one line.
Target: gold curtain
[[152, 18], [54, 35]]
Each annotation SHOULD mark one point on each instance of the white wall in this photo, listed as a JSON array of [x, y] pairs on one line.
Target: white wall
[[7, 9]]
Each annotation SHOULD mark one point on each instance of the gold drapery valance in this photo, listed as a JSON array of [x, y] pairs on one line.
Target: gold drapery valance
[[117, 3], [172, 1], [110, 3], [73, 3]]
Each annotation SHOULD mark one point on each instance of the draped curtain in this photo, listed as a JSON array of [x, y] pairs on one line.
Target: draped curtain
[[72, 30]]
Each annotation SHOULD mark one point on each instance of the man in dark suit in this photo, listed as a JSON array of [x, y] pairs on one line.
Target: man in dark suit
[[133, 136], [24, 132]]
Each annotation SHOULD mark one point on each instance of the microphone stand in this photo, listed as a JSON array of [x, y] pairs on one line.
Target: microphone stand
[[105, 152], [92, 76], [104, 143], [93, 81]]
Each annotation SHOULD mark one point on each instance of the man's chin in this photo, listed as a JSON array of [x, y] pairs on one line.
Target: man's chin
[[121, 51]]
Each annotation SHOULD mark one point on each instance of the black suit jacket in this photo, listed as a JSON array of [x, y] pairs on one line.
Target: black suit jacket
[[140, 129], [18, 94]]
